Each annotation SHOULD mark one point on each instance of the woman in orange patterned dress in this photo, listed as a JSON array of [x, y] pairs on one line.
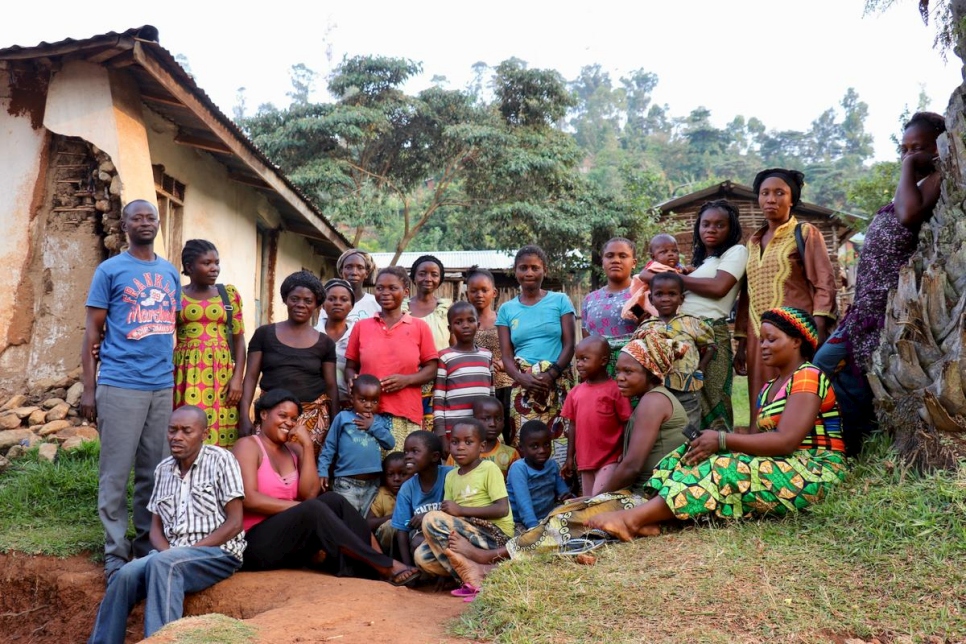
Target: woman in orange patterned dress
[[205, 372], [779, 275]]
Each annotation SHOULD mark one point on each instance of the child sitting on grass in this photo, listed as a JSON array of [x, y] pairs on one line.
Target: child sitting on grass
[[421, 493], [464, 374], [685, 378], [665, 256], [534, 484], [394, 474], [475, 505], [353, 443], [489, 411], [597, 414]]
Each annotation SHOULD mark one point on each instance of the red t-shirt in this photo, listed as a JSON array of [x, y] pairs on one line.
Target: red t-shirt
[[383, 352], [599, 413]]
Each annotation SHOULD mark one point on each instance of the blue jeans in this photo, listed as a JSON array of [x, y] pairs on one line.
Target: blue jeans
[[852, 390], [163, 578], [360, 493]]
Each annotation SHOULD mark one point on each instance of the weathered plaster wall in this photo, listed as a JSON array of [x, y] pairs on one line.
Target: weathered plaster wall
[[21, 157], [87, 101]]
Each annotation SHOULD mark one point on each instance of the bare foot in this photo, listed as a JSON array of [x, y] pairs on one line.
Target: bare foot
[[470, 572], [462, 546], [615, 523]]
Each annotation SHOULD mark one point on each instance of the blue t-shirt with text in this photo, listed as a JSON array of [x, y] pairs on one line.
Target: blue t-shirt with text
[[142, 300], [411, 499]]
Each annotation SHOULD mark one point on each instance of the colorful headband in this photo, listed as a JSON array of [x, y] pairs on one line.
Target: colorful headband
[[366, 257], [794, 322]]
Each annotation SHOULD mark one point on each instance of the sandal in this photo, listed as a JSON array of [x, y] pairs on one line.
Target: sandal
[[591, 540], [406, 577], [466, 590]]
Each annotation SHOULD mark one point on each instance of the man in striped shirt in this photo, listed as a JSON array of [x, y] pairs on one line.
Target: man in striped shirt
[[464, 374], [196, 532]]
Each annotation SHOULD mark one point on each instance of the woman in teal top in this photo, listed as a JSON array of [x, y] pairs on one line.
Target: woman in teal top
[[537, 332]]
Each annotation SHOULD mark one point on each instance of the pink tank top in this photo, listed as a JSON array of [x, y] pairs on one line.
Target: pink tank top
[[272, 484]]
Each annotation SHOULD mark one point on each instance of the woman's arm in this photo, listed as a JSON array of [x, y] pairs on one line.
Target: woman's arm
[[508, 355], [652, 411], [249, 457], [331, 387], [715, 287], [252, 371], [821, 275], [398, 381], [236, 384], [351, 371], [304, 451], [914, 202], [562, 361]]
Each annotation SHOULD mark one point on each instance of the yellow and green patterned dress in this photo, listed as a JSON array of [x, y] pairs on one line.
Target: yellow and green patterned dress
[[733, 485], [202, 362]]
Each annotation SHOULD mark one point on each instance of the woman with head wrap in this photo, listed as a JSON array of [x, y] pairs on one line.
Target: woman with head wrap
[[426, 275], [780, 275], [791, 461], [355, 266], [654, 429]]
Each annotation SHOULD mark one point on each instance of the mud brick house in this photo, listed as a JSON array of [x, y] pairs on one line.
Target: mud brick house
[[836, 229], [88, 125]]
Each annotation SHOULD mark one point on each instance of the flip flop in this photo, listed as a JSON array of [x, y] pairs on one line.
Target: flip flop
[[466, 590], [591, 540], [470, 598], [401, 578]]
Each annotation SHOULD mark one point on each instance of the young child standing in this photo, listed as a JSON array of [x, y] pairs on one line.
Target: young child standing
[[686, 376], [353, 443], [534, 484], [421, 493], [597, 414], [481, 293], [465, 372], [489, 411], [475, 504], [394, 474], [665, 257]]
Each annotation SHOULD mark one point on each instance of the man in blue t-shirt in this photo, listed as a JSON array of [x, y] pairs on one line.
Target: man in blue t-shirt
[[134, 299]]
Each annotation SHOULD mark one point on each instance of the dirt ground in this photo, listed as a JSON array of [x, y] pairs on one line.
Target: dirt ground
[[47, 600]]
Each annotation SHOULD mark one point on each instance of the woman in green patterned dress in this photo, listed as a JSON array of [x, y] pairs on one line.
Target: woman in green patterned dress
[[792, 462]]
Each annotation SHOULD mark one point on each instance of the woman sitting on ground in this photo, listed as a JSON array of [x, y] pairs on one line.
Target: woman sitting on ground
[[287, 523], [792, 462]]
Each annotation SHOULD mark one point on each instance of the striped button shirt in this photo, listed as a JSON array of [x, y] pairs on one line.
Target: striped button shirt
[[192, 507], [462, 378]]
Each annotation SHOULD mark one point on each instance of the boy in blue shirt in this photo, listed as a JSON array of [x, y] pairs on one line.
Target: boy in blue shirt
[[420, 494], [534, 484], [353, 444]]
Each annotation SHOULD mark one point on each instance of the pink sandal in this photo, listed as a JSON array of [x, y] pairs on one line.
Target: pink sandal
[[465, 590]]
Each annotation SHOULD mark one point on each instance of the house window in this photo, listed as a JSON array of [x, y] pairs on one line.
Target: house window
[[170, 193]]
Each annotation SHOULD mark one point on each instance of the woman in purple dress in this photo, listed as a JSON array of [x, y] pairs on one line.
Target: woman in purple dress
[[890, 241], [600, 313]]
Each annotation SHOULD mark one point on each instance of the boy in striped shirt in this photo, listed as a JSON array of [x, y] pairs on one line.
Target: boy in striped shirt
[[465, 372]]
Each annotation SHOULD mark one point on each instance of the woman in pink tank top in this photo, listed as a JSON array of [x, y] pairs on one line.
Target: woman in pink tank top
[[287, 523]]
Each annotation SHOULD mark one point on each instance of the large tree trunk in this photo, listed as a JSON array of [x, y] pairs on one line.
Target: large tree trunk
[[919, 370]]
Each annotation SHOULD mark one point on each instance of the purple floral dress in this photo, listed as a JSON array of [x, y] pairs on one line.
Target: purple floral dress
[[888, 246], [601, 313]]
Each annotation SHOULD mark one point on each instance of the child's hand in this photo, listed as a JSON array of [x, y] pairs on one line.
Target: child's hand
[[324, 481], [416, 523], [568, 469], [363, 421], [452, 508]]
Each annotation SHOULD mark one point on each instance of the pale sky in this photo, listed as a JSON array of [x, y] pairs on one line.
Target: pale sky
[[783, 61]]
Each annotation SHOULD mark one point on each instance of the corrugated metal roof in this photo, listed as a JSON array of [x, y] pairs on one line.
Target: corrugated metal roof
[[455, 260]]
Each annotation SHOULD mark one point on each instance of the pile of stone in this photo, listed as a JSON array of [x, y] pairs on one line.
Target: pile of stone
[[48, 415]]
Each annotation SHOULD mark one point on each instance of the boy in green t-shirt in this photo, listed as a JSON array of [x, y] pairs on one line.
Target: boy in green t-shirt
[[475, 505]]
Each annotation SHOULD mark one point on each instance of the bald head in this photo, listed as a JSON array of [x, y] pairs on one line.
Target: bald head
[[596, 344]]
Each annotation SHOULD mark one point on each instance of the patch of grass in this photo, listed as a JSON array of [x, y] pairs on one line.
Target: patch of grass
[[51, 508], [883, 556], [207, 629], [739, 400]]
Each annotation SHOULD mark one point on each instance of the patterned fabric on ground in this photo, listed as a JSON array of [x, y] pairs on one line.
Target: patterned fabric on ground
[[202, 362], [715, 397], [568, 521]]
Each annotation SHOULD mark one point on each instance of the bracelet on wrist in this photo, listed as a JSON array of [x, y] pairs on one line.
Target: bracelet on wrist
[[722, 442]]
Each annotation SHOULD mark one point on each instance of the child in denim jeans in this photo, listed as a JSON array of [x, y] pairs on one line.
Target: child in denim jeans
[[352, 446]]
